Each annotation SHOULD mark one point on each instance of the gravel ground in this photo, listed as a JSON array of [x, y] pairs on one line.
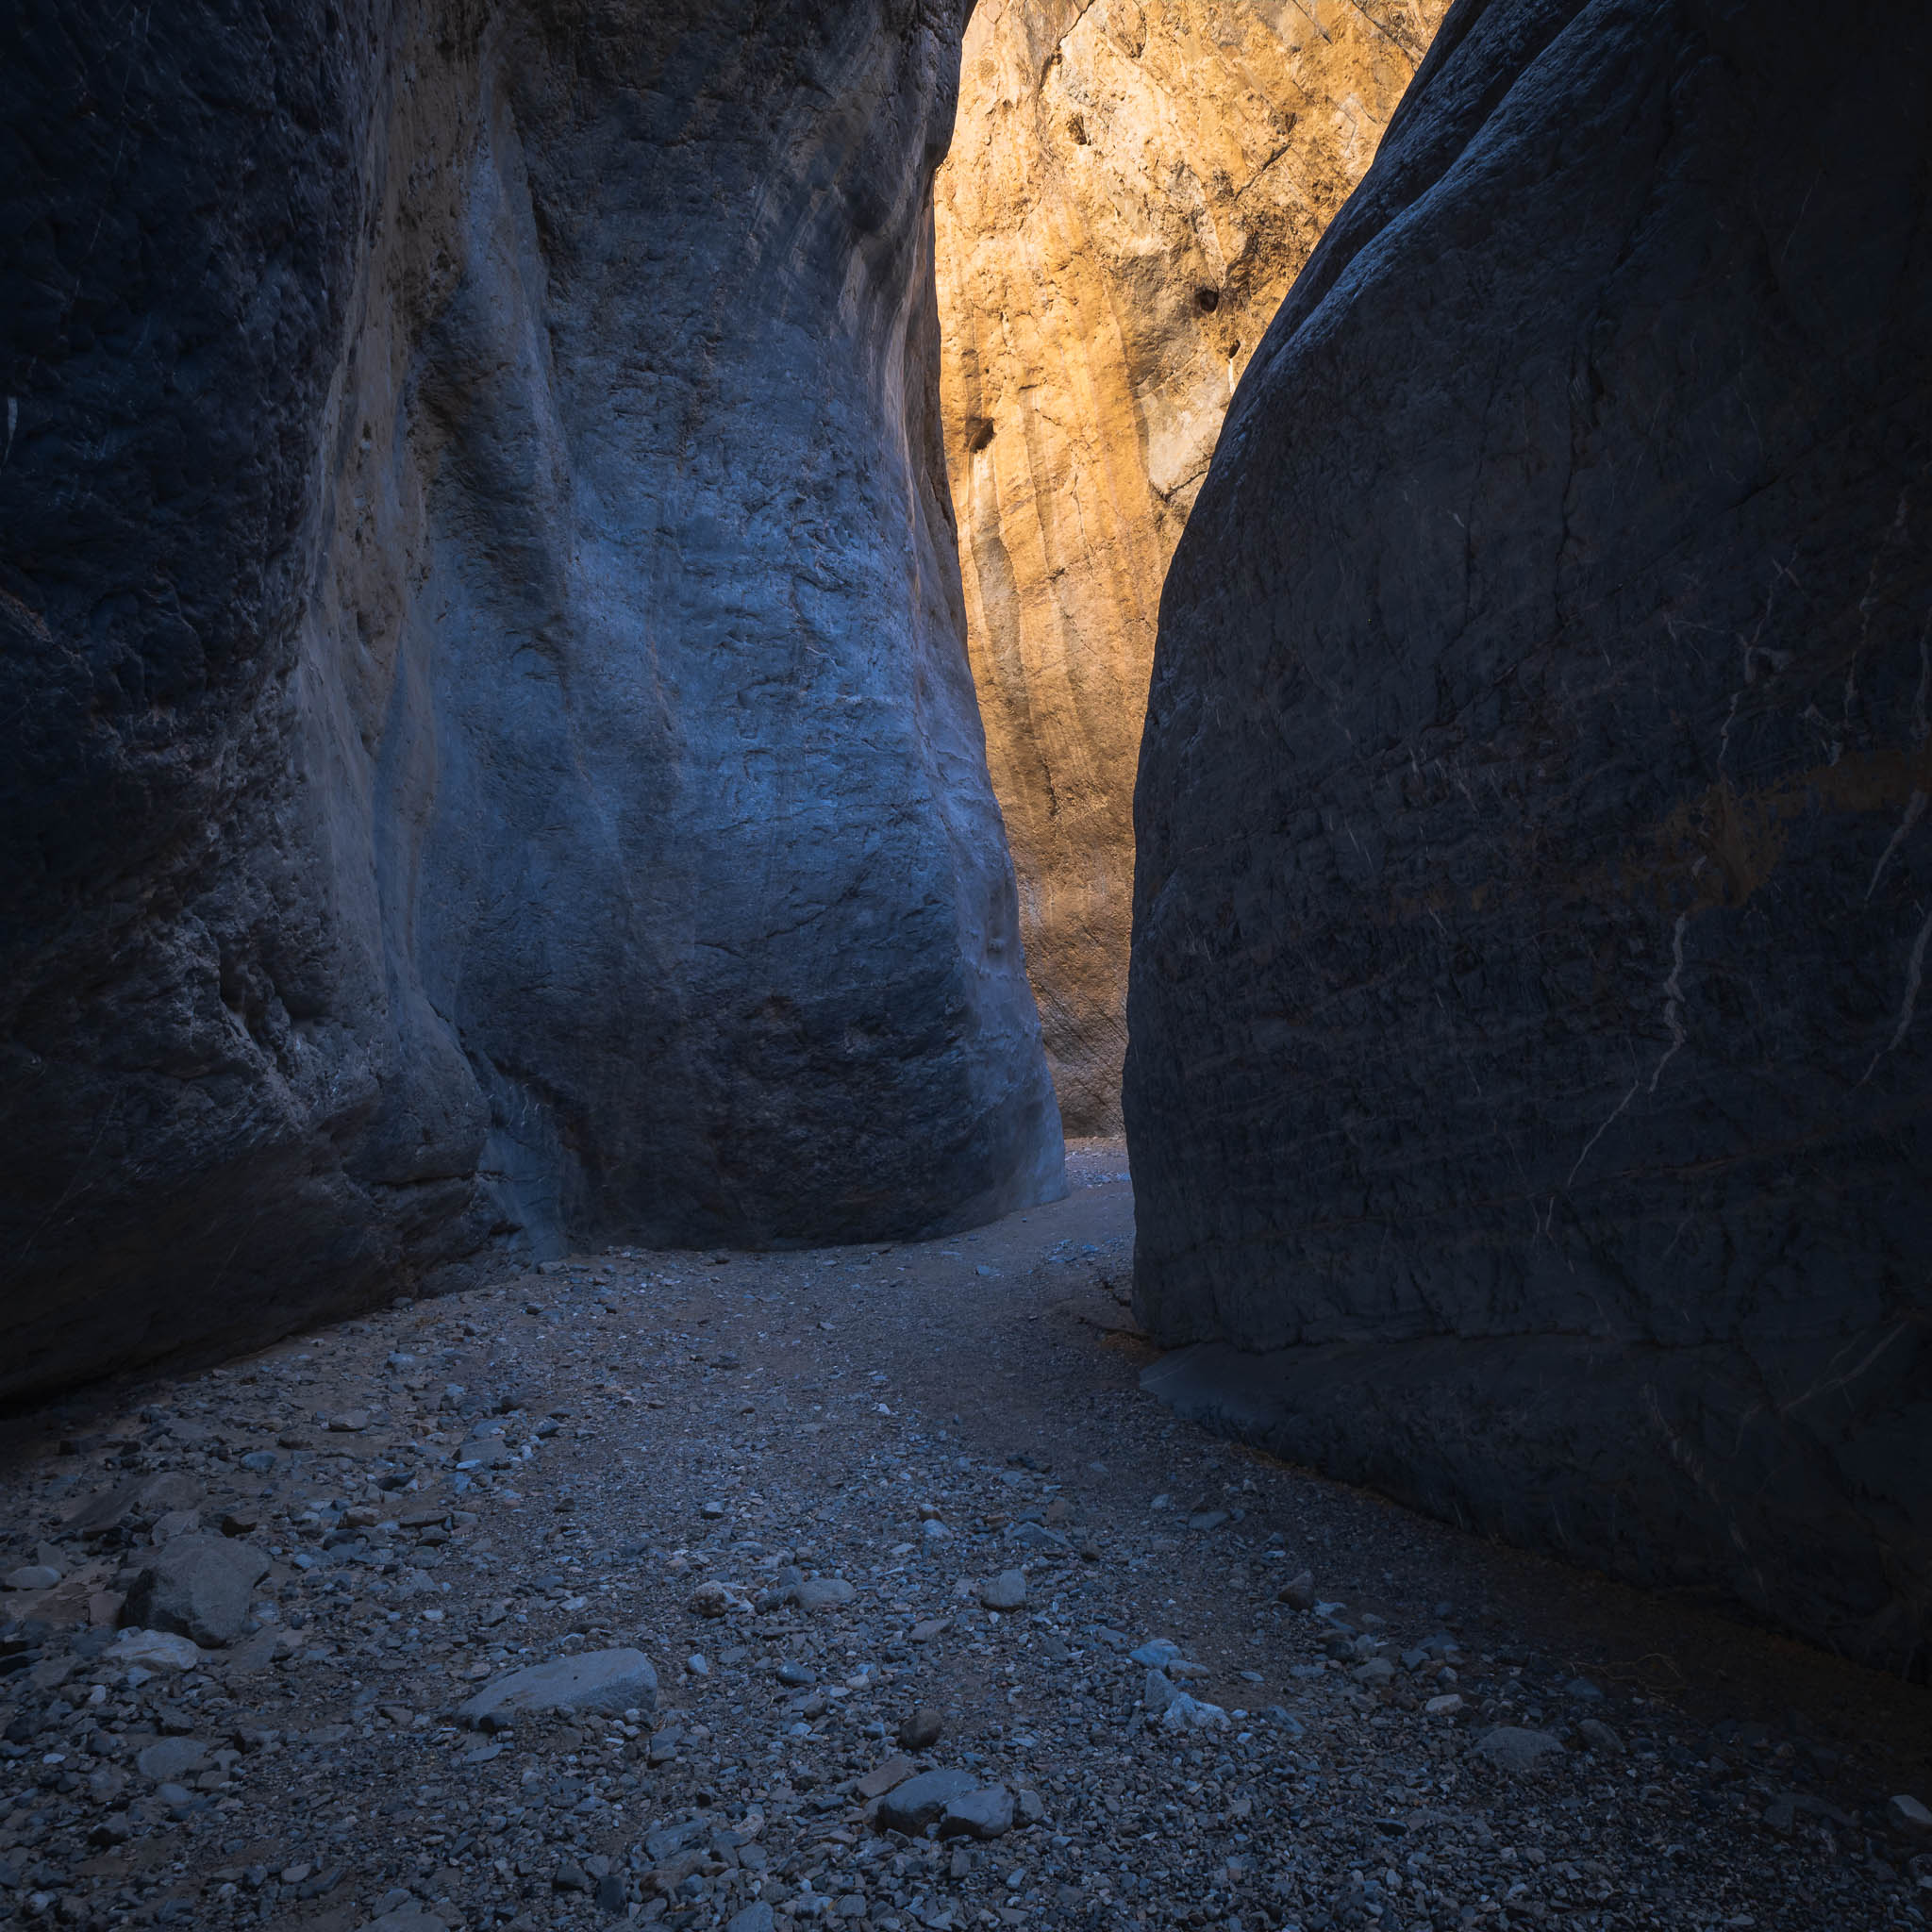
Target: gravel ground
[[797, 1485]]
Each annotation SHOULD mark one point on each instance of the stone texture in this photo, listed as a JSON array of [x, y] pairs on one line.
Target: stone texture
[[921, 1728], [142, 1501], [488, 752], [1907, 1814], [172, 1757], [883, 1777], [1520, 1752], [1005, 1592], [911, 1806], [823, 1593], [154, 1650], [1528, 1093], [199, 1586], [987, 1813], [598, 1680], [1131, 189]]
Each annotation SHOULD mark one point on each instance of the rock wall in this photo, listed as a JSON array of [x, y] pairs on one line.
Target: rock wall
[[1530, 1064], [488, 750], [1133, 187]]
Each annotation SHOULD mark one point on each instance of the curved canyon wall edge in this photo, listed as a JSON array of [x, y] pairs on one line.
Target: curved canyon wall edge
[[490, 756], [1528, 1069]]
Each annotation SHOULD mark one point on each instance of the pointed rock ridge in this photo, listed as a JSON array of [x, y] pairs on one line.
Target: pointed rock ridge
[[1132, 187], [1530, 1088], [490, 755]]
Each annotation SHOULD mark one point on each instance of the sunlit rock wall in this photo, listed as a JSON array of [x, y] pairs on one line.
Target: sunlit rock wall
[[1133, 186], [1530, 1089], [486, 750]]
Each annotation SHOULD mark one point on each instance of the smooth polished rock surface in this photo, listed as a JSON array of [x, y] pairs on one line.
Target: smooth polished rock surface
[[1131, 189], [597, 1680], [1531, 1075], [487, 748]]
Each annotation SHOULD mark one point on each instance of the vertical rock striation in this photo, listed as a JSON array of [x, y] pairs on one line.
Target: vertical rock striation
[[1132, 187], [1530, 1087], [489, 754]]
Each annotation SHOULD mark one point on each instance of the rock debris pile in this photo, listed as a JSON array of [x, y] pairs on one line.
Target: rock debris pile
[[859, 1587]]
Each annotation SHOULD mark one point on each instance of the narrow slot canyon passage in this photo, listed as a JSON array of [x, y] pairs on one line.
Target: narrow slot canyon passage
[[1130, 192], [963, 1009]]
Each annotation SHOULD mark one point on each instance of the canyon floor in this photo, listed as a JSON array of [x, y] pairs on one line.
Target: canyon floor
[[795, 1482]]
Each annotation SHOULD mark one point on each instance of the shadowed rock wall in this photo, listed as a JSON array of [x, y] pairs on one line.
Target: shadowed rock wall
[[1133, 186], [1528, 1088], [488, 750]]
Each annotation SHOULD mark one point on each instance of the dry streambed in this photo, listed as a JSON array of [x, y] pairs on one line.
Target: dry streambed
[[856, 1588]]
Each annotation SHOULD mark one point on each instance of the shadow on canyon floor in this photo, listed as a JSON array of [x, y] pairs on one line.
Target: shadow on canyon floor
[[669, 1451]]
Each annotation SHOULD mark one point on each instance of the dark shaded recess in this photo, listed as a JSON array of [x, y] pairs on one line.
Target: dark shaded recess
[[1528, 1089]]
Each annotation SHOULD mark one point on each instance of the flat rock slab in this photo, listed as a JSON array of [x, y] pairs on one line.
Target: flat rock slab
[[920, 1800], [883, 1778], [755, 1918], [252, 1653], [142, 1500], [172, 1757], [607, 1681], [154, 1650], [1513, 1749], [198, 1586], [823, 1593]]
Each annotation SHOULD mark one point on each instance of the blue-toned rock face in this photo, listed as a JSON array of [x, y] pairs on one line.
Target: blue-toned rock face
[[1528, 1086], [488, 748]]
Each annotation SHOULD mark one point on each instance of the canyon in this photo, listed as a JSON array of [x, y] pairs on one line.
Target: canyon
[[578, 589]]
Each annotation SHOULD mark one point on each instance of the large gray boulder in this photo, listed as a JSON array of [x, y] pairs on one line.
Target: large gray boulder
[[197, 1586], [919, 1802], [1530, 1088], [987, 1813], [486, 752]]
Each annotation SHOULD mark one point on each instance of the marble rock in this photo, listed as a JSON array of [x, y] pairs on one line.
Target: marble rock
[[154, 1650], [487, 747], [1530, 1081]]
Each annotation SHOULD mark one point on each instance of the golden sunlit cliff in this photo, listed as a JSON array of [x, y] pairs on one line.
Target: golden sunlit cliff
[[1131, 189]]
